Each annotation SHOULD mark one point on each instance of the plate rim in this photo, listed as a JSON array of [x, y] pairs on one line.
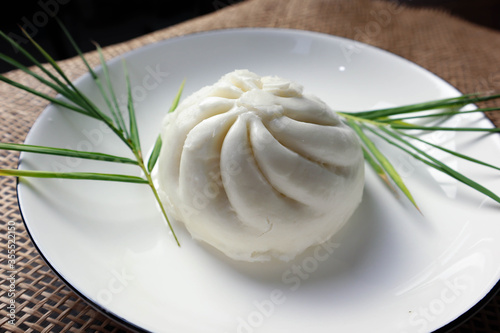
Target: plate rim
[[447, 327]]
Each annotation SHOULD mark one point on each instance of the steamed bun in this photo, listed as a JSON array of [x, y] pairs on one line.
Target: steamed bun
[[257, 169]]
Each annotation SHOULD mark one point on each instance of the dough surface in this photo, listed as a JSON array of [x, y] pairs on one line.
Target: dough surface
[[257, 169]]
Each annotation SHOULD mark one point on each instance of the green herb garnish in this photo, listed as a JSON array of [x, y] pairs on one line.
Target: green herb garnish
[[78, 102], [393, 130]]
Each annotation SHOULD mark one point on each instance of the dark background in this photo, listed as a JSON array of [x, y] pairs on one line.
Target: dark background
[[112, 21], [103, 21]]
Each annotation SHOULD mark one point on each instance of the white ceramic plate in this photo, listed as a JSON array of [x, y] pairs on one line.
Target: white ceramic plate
[[389, 270]]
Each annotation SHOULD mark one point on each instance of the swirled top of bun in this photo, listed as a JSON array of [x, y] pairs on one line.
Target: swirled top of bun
[[257, 169]]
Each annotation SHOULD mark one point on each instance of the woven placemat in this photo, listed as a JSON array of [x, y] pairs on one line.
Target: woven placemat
[[464, 54]]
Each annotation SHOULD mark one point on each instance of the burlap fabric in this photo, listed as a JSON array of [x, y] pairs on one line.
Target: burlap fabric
[[464, 54]]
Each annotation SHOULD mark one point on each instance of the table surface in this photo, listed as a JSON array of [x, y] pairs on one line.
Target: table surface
[[463, 53]]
